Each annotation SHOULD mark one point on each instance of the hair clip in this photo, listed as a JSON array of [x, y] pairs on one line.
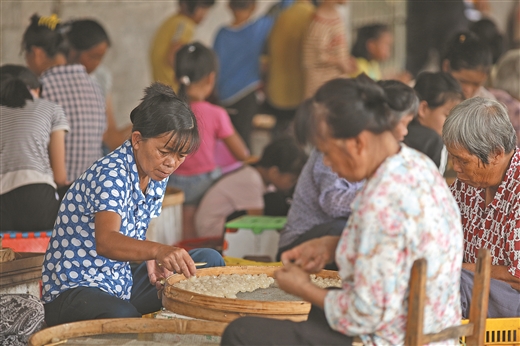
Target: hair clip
[[49, 22], [185, 80], [191, 48], [462, 38]]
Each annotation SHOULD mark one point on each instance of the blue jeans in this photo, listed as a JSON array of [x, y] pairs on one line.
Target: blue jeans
[[194, 186], [88, 303]]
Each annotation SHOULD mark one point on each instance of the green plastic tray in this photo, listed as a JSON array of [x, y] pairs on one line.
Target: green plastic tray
[[258, 223]]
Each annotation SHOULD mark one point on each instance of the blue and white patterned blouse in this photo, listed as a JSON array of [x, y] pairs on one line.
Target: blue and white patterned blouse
[[110, 184]]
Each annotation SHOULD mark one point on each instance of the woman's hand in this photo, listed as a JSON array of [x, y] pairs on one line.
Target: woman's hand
[[156, 273], [175, 259], [294, 280], [312, 255]]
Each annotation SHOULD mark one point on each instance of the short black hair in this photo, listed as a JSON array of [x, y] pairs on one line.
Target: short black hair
[[15, 82], [85, 34], [437, 88], [192, 5], [160, 112], [241, 4], [466, 51], [285, 154], [364, 34]]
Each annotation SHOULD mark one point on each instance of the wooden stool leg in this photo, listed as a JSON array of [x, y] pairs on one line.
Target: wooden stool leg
[[415, 318], [480, 298]]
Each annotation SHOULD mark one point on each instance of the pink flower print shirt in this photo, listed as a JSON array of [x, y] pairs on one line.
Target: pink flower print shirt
[[404, 212]]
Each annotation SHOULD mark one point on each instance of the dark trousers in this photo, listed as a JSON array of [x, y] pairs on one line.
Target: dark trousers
[[334, 228], [29, 208], [88, 303], [241, 114], [266, 331], [504, 300], [430, 25]]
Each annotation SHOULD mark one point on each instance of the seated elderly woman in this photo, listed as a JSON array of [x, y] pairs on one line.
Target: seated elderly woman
[[404, 212], [482, 143]]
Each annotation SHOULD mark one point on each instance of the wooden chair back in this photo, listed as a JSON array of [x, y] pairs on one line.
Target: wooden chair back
[[474, 330]]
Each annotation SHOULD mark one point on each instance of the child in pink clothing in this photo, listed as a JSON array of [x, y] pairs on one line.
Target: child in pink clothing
[[195, 68]]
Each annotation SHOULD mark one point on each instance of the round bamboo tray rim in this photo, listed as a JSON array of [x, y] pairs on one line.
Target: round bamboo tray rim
[[126, 326]]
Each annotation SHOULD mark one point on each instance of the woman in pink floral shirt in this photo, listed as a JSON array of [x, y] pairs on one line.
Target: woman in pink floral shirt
[[404, 212]]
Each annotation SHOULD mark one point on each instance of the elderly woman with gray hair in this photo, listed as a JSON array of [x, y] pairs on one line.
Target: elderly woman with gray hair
[[482, 143]]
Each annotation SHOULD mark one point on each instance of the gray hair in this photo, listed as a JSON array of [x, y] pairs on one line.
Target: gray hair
[[481, 126], [507, 75]]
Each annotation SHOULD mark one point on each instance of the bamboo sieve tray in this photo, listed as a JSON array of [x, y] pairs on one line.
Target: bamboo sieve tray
[[227, 309]]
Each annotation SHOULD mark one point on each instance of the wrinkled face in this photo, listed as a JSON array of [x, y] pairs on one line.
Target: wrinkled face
[[154, 156], [341, 155], [381, 48], [92, 58], [470, 169], [434, 118], [401, 129], [470, 81]]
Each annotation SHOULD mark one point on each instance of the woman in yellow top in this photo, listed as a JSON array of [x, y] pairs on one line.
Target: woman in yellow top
[[174, 33]]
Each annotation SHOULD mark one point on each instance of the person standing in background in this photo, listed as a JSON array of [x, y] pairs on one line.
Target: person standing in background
[[239, 47], [284, 85], [325, 50], [174, 33], [429, 25]]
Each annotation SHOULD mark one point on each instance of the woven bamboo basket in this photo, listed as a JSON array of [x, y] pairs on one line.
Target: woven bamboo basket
[[226, 309], [129, 330]]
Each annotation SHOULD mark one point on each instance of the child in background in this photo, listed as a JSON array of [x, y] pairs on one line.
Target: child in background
[[196, 70], [373, 45], [438, 93], [70, 86], [239, 48], [469, 60], [174, 33], [88, 45], [32, 153], [243, 189], [325, 51]]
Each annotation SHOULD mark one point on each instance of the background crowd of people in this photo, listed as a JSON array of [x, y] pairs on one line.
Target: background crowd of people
[[341, 159]]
